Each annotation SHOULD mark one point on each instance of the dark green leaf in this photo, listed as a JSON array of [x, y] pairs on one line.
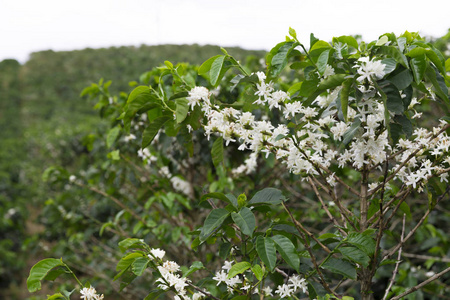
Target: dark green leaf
[[307, 87], [402, 80], [362, 241], [322, 61], [418, 66], [39, 271], [344, 97], [438, 83], [405, 123], [126, 244], [287, 250], [213, 221], [280, 58], [265, 247], [340, 266], [238, 268], [219, 196], [267, 196], [217, 151], [394, 101], [245, 220], [140, 98], [355, 255], [395, 53], [152, 130]]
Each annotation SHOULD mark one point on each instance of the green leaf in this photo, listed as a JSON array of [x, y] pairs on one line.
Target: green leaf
[[112, 136], [340, 266], [394, 101], [345, 92], [114, 155], [436, 57], [292, 33], [287, 250], [259, 273], [39, 271], [238, 268], [295, 88], [141, 98], [332, 81], [220, 196], [265, 247], [362, 241], [447, 65], [182, 109], [139, 265], [349, 40], [418, 66], [154, 294], [126, 244], [217, 151], [56, 296], [267, 196], [350, 133], [390, 63], [382, 40], [216, 68], [212, 222], [125, 263], [307, 87], [206, 66], [402, 80], [322, 61], [280, 58], [245, 220], [395, 53], [196, 265], [355, 255], [152, 130], [438, 83]]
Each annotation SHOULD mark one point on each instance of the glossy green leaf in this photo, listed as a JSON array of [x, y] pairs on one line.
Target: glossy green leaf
[[139, 265], [322, 61], [217, 151], [418, 67], [39, 271], [294, 88], [438, 83], [436, 57], [340, 266], [267, 196], [394, 100], [196, 265], [213, 221], [245, 220], [206, 66], [259, 273], [390, 65], [130, 243], [238, 268], [355, 255], [216, 68], [332, 81], [182, 109], [349, 40], [395, 53], [307, 87], [280, 58], [287, 250], [152, 130], [141, 98], [265, 247], [57, 296]]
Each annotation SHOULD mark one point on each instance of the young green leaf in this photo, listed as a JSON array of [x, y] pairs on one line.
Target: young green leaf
[[259, 273], [112, 136], [216, 68], [39, 271], [206, 66], [182, 109], [139, 265], [217, 151], [238, 268]]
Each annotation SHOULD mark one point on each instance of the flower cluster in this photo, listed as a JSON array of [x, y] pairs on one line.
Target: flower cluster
[[90, 294]]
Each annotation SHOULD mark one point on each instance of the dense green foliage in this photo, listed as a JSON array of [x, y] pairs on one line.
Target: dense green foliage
[[44, 123]]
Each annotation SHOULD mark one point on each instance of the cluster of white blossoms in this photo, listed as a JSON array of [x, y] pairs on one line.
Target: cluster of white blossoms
[[241, 283], [90, 294], [178, 183], [146, 156], [315, 146], [169, 277]]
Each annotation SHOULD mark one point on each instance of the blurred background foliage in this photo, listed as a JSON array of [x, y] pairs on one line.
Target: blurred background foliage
[[49, 133]]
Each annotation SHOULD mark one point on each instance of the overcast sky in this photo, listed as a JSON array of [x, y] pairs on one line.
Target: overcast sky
[[27, 25]]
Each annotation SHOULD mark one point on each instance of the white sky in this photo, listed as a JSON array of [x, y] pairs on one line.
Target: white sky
[[28, 25]]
